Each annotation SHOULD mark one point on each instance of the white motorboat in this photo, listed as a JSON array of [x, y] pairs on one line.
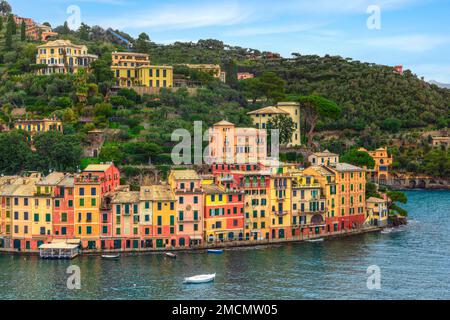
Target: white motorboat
[[171, 255], [107, 256], [200, 279], [387, 231], [315, 240]]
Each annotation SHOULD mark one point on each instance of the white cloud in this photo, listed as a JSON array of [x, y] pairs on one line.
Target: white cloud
[[182, 17], [410, 43], [437, 72], [346, 6], [267, 29]]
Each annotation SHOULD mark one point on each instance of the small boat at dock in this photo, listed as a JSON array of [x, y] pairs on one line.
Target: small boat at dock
[[110, 256], [387, 230], [171, 255], [215, 251], [200, 279], [315, 240]]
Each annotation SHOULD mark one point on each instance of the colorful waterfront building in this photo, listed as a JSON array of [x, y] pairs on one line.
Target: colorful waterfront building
[[261, 118], [125, 220], [281, 206], [380, 173], [17, 203], [90, 188], [327, 181], [377, 212], [63, 208], [256, 186], [188, 190], [350, 194], [223, 214], [231, 145], [308, 206], [146, 217], [63, 57], [5, 210], [134, 69], [44, 207], [87, 197], [163, 201]]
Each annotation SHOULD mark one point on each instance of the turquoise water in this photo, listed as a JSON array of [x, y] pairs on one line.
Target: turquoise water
[[414, 263]]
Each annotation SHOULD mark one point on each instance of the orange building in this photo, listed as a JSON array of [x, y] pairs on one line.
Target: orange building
[[40, 32], [380, 173], [350, 195]]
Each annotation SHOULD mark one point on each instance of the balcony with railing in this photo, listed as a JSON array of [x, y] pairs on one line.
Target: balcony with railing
[[280, 213]]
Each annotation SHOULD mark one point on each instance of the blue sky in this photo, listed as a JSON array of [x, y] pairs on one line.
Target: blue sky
[[414, 33]]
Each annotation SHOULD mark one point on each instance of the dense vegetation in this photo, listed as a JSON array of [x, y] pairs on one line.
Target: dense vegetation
[[366, 104]]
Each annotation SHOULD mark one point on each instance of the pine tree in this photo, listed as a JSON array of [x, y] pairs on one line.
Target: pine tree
[[23, 33]]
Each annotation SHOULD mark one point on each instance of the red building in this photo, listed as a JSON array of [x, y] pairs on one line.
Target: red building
[[108, 174], [223, 214]]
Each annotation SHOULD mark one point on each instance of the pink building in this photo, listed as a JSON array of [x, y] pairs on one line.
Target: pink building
[[187, 186], [63, 212], [228, 144]]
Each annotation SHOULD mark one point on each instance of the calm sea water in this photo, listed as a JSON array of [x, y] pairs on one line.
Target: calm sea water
[[414, 262]]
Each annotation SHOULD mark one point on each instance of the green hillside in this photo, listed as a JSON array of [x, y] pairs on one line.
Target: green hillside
[[377, 104]]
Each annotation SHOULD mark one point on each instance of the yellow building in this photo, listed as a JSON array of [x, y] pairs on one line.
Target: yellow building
[[380, 173], [261, 118], [257, 204], [163, 200], [281, 206], [61, 56], [308, 206], [134, 69], [35, 126], [377, 212], [87, 201], [327, 181]]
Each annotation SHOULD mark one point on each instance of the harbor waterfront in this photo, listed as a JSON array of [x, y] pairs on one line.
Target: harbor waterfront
[[413, 260]]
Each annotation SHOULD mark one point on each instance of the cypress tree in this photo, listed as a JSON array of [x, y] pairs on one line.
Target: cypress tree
[[1, 23], [8, 37], [12, 24], [23, 33]]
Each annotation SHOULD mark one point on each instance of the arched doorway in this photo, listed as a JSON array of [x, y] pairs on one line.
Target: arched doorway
[[182, 242], [281, 234]]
